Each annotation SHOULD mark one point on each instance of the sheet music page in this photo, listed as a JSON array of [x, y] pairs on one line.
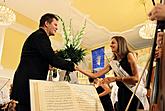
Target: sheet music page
[[86, 97], [55, 96], [62, 96], [34, 97]]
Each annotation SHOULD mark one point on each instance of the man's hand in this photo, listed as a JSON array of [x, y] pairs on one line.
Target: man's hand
[[160, 38], [157, 13], [158, 53], [76, 67], [158, 50]]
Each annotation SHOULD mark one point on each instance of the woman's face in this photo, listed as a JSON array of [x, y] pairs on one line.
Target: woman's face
[[114, 45]]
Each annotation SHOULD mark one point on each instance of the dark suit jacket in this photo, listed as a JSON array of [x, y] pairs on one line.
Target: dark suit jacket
[[36, 56]]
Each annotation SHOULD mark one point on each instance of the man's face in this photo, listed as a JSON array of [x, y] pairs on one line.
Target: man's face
[[52, 27]]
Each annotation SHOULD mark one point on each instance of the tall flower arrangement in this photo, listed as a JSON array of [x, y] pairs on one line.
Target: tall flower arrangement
[[72, 49]]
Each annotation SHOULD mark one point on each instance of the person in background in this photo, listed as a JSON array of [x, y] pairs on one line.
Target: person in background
[[158, 13], [127, 61], [36, 56], [103, 91]]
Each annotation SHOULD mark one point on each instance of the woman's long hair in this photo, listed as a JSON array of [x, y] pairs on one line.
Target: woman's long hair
[[123, 49]]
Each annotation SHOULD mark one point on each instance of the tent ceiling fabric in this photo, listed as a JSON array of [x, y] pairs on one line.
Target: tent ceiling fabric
[[105, 18]]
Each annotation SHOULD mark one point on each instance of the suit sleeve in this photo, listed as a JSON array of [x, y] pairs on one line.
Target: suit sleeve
[[43, 45]]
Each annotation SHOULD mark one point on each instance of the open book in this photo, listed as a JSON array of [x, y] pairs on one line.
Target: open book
[[62, 96]]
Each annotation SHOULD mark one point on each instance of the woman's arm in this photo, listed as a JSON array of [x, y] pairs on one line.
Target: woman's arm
[[132, 79], [95, 75]]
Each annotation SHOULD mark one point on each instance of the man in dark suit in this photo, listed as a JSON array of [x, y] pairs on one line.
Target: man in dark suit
[[36, 56]]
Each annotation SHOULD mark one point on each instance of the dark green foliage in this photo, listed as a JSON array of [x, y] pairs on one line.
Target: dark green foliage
[[75, 54]]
